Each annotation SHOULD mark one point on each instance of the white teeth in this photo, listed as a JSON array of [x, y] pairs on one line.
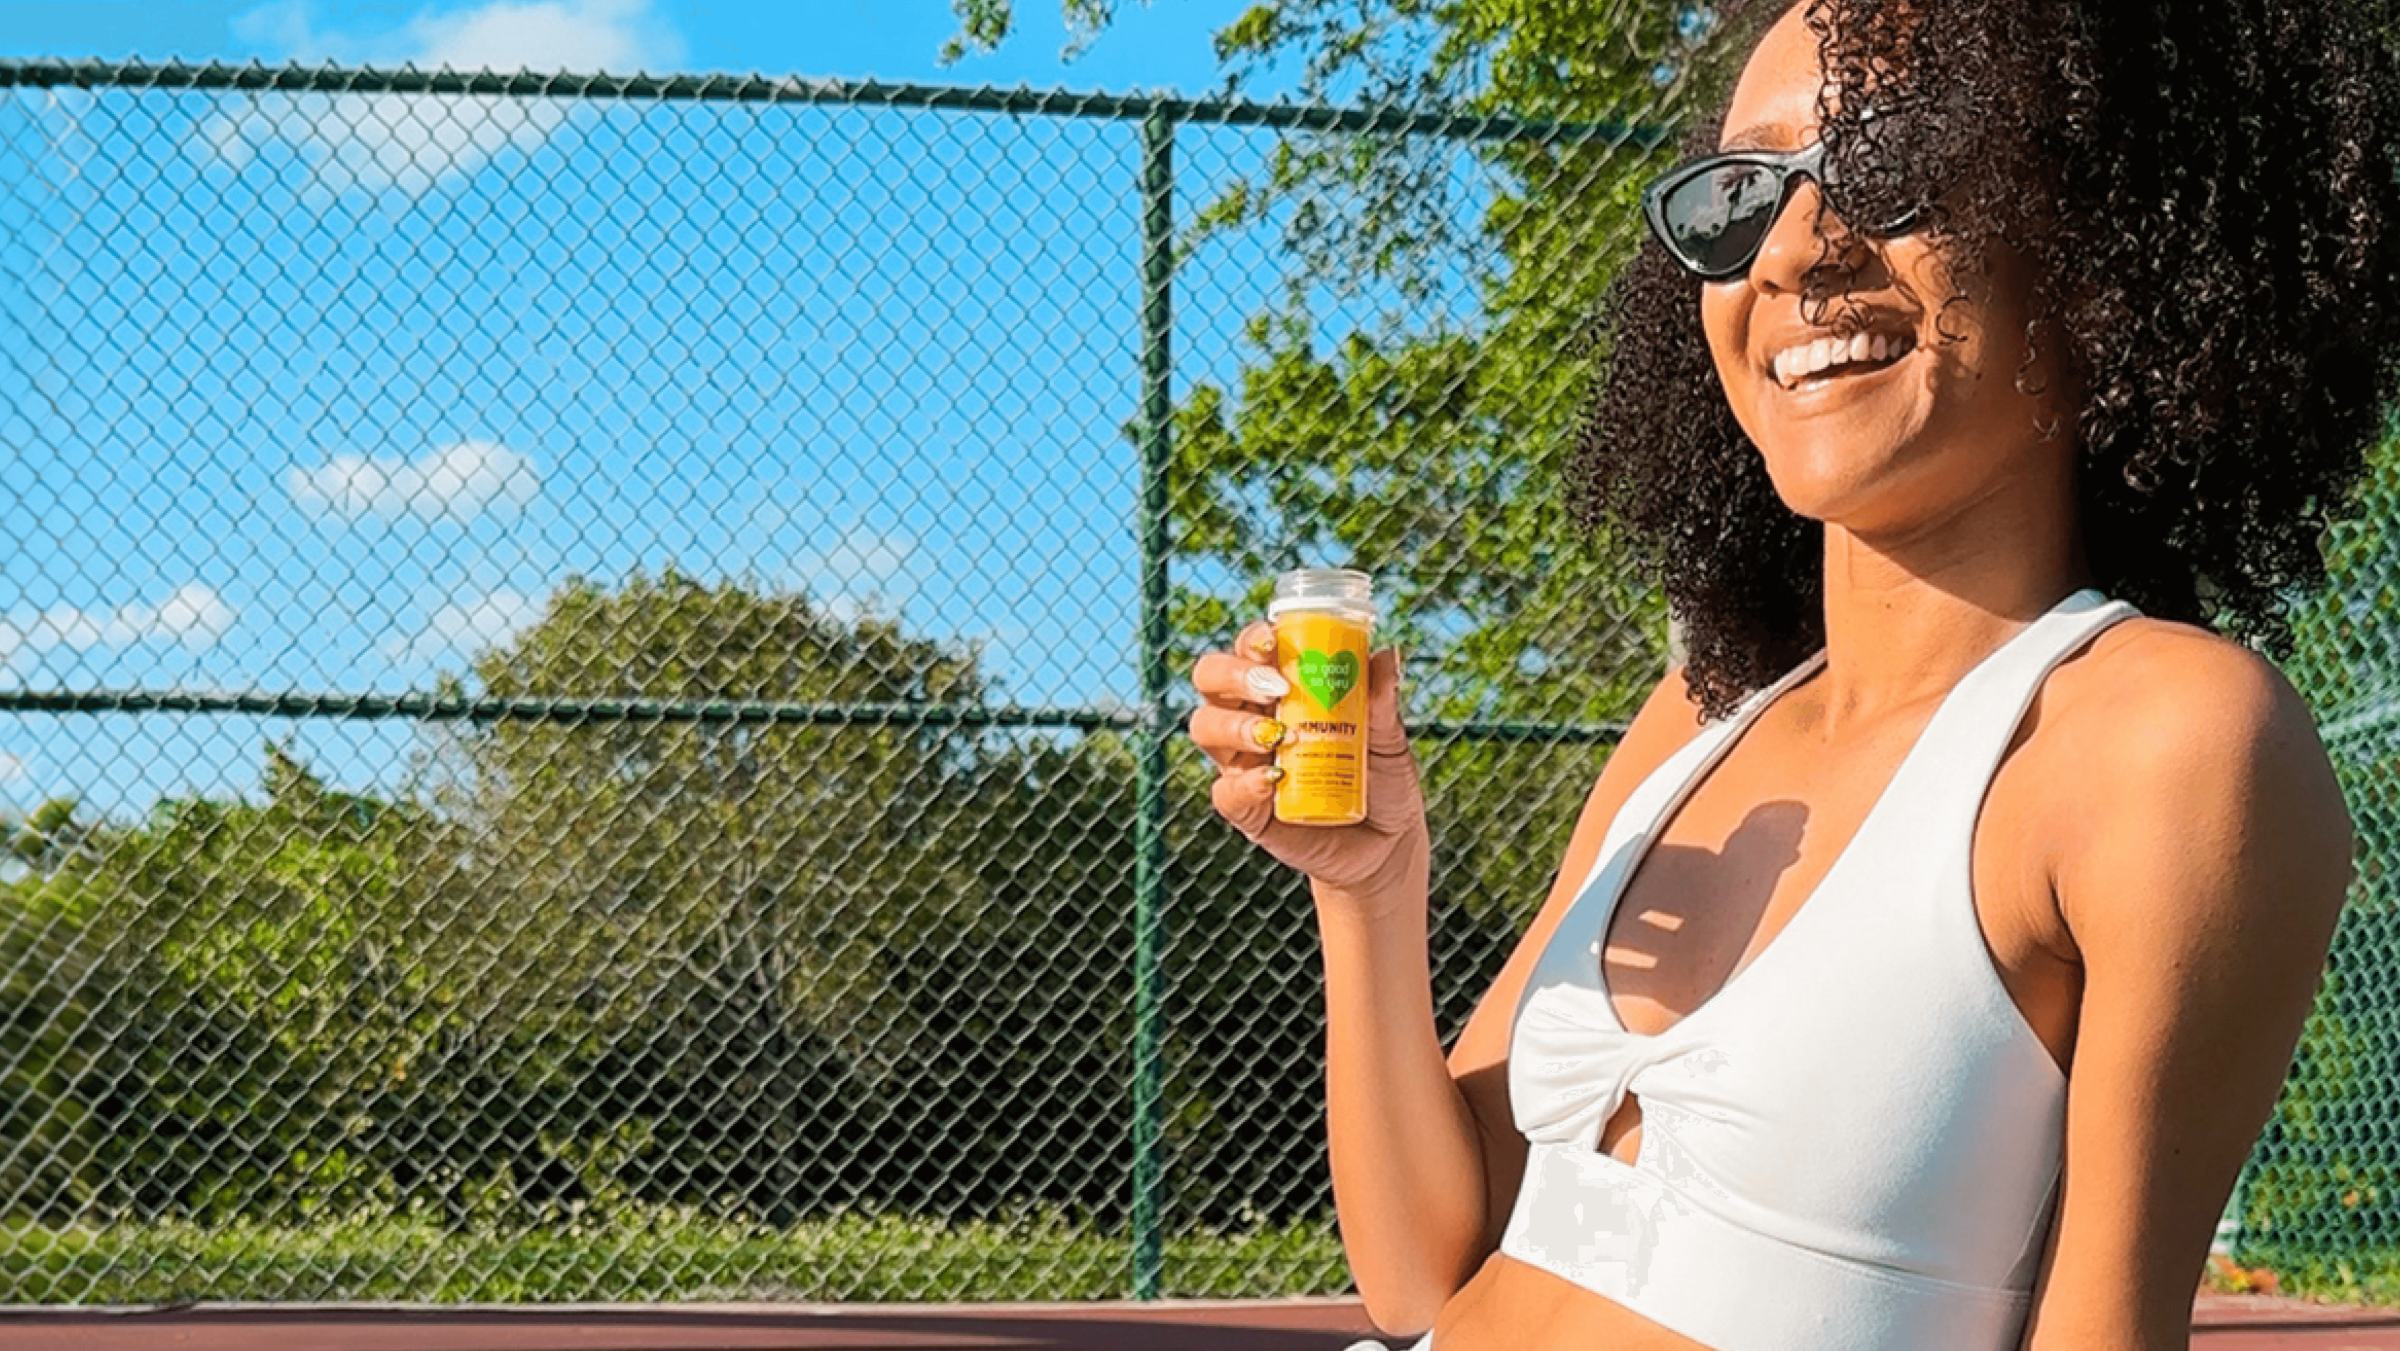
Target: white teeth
[[1795, 364]]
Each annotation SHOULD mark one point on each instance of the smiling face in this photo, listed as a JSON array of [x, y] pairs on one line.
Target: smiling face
[[1880, 403]]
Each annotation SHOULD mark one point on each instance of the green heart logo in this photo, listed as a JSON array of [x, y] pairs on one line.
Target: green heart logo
[[1327, 676]]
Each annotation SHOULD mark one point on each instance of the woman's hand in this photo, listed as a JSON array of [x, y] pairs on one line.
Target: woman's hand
[[1366, 865]]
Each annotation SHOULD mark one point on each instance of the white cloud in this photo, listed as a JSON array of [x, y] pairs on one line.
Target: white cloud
[[476, 626], [194, 615], [618, 36], [457, 482], [611, 35], [865, 572], [383, 142], [12, 769], [411, 142]]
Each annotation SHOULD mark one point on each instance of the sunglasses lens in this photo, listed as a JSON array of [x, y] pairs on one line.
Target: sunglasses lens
[[1715, 220]]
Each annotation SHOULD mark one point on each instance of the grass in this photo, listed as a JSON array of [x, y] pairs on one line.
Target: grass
[[654, 1256], [667, 1255], [2365, 1278]]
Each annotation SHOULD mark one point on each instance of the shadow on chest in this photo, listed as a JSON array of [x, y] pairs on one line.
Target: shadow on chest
[[1737, 860]]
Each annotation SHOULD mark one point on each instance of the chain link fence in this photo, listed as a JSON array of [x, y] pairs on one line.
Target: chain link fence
[[593, 674], [2320, 1198]]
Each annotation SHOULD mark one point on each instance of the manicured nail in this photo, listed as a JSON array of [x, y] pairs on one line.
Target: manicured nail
[[1266, 732], [1266, 684], [1274, 773]]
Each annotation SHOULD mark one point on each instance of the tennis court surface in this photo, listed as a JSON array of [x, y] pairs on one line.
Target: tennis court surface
[[2220, 1324]]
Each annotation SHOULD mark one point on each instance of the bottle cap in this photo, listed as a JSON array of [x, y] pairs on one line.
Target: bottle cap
[[1344, 591]]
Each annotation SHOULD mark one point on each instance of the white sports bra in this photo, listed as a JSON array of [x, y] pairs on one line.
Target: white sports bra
[[1854, 1145]]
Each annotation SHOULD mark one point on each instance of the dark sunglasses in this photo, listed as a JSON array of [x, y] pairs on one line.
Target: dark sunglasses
[[1715, 212]]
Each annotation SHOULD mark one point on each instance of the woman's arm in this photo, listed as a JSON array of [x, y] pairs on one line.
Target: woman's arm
[[2201, 890], [1406, 1188]]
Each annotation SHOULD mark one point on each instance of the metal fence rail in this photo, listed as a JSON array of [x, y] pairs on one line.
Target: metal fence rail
[[590, 677]]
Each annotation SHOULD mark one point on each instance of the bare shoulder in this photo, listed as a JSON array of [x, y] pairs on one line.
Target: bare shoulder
[[2150, 678], [2154, 697], [2196, 739]]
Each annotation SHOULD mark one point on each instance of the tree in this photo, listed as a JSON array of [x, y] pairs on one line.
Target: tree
[[1424, 448], [50, 836], [256, 985], [47, 1136], [1419, 449], [710, 895], [805, 964], [766, 967]]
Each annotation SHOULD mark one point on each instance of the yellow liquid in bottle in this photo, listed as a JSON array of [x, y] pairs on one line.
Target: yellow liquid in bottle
[[1323, 657]]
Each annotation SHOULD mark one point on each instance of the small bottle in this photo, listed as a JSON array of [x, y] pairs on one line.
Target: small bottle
[[1323, 620]]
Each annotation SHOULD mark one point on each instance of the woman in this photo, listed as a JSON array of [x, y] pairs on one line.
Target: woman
[[1931, 948]]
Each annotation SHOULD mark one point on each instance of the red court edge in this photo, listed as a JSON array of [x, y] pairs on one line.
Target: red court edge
[[2220, 1323]]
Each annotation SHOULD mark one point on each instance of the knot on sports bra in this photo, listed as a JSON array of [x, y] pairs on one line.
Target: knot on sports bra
[[1571, 1067]]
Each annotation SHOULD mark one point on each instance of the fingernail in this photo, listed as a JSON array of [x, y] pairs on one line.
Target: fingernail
[[1266, 732], [1266, 684], [1274, 773]]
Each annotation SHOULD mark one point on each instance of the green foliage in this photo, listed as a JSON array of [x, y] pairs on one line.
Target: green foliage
[[264, 983], [984, 24], [764, 968], [54, 833], [47, 1137], [654, 1253], [1433, 458], [702, 914], [637, 845]]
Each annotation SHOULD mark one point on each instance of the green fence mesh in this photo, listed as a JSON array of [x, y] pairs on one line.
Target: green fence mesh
[[591, 673], [2321, 1195]]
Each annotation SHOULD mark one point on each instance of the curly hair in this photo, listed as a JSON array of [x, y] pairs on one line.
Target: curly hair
[[2207, 199]]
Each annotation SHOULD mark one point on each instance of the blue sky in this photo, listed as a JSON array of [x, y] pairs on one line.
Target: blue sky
[[1162, 46], [327, 394]]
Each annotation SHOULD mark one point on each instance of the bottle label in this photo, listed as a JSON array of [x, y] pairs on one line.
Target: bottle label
[[1327, 676], [1324, 656]]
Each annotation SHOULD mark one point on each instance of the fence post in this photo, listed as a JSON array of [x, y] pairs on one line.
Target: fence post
[[1150, 765]]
